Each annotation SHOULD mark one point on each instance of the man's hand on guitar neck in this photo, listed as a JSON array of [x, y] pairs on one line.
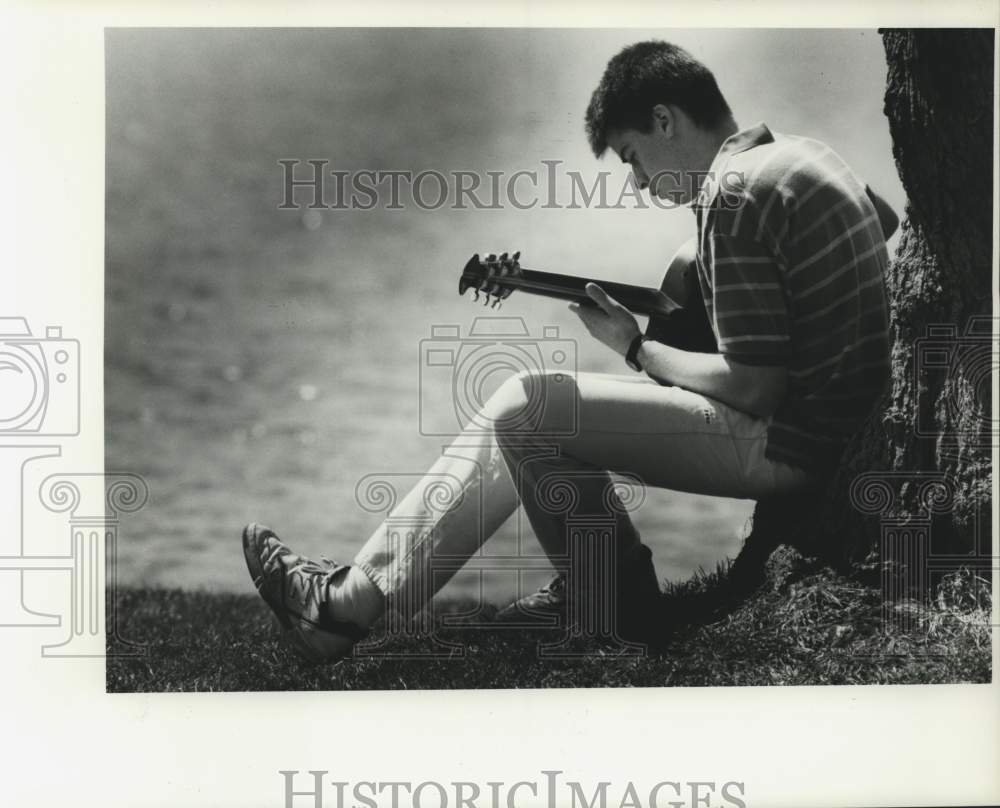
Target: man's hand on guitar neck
[[610, 322], [755, 389]]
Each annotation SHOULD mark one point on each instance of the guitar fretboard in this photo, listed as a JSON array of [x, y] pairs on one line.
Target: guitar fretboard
[[637, 299]]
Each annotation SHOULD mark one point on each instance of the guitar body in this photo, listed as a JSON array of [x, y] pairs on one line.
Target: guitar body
[[676, 310], [687, 327]]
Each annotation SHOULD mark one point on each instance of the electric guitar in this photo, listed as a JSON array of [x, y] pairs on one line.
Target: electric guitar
[[676, 310]]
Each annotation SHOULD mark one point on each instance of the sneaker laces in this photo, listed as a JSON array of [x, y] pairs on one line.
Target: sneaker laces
[[310, 578]]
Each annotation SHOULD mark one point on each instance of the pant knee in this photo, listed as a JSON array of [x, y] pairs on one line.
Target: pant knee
[[533, 403], [507, 403], [513, 408]]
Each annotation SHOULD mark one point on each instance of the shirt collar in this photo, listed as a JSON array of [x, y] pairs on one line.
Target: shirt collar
[[741, 141], [746, 139]]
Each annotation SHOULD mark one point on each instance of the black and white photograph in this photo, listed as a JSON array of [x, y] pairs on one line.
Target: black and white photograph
[[499, 405], [550, 358]]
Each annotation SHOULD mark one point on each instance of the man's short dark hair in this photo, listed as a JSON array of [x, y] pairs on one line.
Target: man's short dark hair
[[646, 74]]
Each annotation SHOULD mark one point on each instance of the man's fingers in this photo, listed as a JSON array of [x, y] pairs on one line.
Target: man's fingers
[[582, 313], [585, 313], [607, 304], [585, 310], [597, 294]]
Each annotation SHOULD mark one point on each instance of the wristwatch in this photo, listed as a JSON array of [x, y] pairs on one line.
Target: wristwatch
[[632, 354]]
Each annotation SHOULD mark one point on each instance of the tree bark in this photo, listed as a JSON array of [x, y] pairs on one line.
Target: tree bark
[[918, 476]]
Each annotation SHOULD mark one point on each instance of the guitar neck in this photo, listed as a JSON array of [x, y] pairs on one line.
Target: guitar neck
[[637, 299]]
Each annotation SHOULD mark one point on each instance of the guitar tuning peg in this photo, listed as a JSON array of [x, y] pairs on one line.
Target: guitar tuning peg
[[503, 258], [495, 303], [516, 256], [476, 298]]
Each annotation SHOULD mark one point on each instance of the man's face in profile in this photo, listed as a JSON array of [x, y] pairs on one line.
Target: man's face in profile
[[657, 157]]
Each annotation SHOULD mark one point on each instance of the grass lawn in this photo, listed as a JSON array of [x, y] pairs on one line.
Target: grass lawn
[[819, 629]]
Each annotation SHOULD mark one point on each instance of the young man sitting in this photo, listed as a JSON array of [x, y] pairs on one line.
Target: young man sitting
[[790, 260]]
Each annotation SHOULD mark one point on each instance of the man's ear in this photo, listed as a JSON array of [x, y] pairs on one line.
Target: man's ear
[[664, 120]]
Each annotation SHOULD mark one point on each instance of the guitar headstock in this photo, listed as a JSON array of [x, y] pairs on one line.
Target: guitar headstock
[[487, 276]]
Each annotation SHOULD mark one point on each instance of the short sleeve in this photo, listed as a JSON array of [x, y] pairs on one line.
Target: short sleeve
[[749, 301]]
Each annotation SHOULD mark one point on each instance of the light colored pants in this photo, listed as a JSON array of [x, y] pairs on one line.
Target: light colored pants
[[548, 441]]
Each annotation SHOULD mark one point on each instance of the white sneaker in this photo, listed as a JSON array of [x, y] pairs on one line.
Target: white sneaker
[[296, 589]]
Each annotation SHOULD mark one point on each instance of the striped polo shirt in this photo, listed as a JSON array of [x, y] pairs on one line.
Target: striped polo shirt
[[791, 263]]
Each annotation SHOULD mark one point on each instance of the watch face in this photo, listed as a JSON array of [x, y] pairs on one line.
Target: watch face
[[632, 357]]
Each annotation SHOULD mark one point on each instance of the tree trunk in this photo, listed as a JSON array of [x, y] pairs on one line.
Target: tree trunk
[[915, 484]]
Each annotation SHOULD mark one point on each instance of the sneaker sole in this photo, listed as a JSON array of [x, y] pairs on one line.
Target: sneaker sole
[[253, 536]]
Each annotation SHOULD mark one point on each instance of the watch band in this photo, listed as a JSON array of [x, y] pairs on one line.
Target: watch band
[[632, 355]]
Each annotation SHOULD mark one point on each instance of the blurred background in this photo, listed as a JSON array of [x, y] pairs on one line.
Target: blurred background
[[259, 362]]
